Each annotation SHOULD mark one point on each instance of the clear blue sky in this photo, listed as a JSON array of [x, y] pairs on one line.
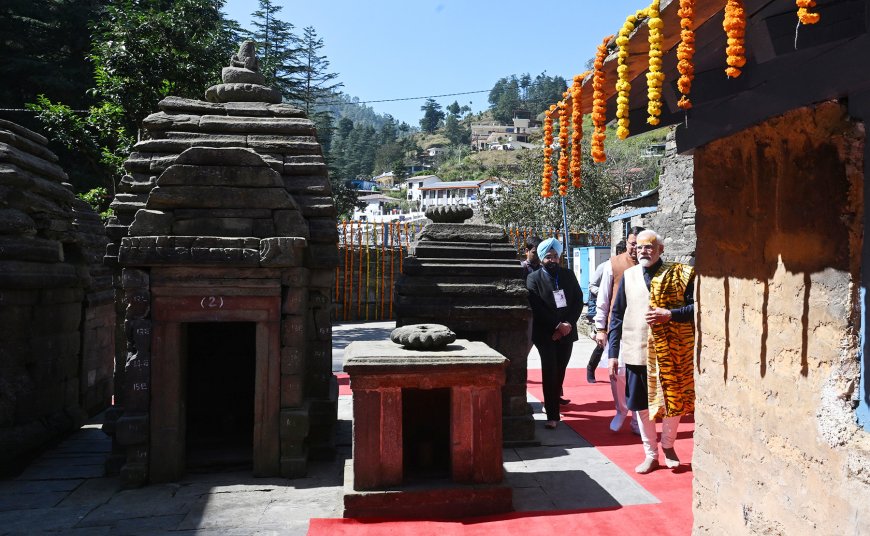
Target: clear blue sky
[[391, 49]]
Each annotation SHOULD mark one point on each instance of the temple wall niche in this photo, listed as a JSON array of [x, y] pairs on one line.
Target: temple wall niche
[[779, 223]]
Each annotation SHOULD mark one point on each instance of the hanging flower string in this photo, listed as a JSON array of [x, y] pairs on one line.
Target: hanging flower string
[[564, 127], [655, 76], [735, 28], [577, 129], [623, 86], [547, 175], [599, 106], [686, 52], [803, 13]]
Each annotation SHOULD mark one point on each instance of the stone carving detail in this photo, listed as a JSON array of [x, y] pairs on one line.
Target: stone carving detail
[[423, 336], [449, 214], [242, 80], [246, 57]]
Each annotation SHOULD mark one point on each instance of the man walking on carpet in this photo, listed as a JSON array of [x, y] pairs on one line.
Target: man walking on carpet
[[611, 277], [556, 300], [652, 328], [594, 284]]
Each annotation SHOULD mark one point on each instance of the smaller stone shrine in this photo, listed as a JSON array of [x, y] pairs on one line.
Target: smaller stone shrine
[[427, 427], [467, 277], [56, 301], [224, 244]]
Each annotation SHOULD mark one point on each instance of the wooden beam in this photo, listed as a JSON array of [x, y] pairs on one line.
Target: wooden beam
[[783, 84]]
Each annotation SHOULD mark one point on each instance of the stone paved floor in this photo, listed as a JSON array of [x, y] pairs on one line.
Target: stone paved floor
[[64, 492]]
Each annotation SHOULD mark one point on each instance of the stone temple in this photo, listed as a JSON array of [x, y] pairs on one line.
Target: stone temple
[[224, 245], [466, 276], [56, 301]]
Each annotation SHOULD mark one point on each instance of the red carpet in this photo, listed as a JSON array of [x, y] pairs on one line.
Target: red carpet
[[589, 413]]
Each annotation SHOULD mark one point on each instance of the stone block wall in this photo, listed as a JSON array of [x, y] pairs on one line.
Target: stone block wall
[[617, 228], [675, 217], [780, 225], [56, 314]]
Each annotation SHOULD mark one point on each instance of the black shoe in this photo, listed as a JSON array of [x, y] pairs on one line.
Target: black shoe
[[563, 401], [590, 375]]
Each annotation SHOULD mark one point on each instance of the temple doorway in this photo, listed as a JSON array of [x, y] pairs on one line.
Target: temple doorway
[[220, 387]]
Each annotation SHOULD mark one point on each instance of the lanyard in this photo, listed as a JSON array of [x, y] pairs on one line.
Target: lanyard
[[555, 280]]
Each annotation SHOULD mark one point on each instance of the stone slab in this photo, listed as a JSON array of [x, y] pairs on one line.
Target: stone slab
[[369, 356], [442, 500], [463, 232]]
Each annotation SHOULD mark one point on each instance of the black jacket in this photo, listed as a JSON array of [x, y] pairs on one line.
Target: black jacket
[[545, 315]]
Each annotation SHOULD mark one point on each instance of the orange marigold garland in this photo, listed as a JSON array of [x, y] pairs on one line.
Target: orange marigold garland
[[599, 106], [686, 51], [577, 126], [803, 13], [623, 86], [655, 76], [547, 175], [735, 28], [564, 127]]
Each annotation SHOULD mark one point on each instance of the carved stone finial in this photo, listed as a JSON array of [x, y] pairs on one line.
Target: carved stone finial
[[246, 57], [242, 81], [423, 336], [449, 213]]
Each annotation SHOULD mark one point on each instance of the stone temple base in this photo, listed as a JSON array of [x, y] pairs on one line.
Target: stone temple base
[[430, 500]]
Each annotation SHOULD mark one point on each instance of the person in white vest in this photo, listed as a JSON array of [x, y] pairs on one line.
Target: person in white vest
[[652, 325]]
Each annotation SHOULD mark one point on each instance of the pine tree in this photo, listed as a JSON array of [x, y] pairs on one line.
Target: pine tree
[[45, 46], [432, 116], [279, 51], [317, 83]]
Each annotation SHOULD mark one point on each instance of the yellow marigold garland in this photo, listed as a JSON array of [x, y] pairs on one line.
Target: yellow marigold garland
[[623, 86], [599, 104], [735, 28], [564, 128], [577, 129], [655, 76], [547, 175], [686, 52], [803, 13]]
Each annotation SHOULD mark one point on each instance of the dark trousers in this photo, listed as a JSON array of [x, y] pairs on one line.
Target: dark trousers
[[554, 361], [636, 395], [595, 358]]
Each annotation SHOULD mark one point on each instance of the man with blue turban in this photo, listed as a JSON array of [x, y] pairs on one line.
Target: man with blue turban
[[556, 301]]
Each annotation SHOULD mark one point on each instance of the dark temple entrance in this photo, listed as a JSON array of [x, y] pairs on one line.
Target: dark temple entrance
[[220, 381], [426, 433]]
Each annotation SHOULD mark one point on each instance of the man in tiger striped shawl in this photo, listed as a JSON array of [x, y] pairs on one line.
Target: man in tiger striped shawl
[[653, 322]]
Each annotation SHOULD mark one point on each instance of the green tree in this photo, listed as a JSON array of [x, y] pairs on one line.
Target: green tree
[[279, 51], [455, 131], [317, 83], [389, 130], [432, 116], [45, 47], [544, 91], [588, 207], [504, 99], [142, 51]]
